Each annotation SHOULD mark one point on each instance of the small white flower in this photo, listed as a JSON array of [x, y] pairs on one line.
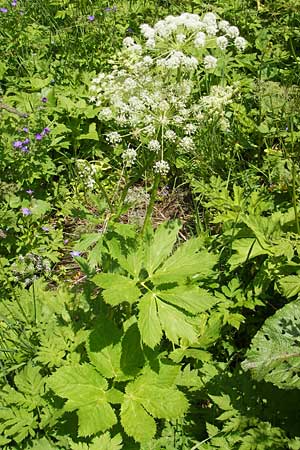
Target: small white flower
[[211, 30], [105, 114], [187, 143], [209, 18], [154, 146], [180, 38], [149, 130], [233, 32], [190, 62], [222, 42], [210, 62], [147, 31], [113, 137], [190, 128], [240, 43], [129, 157], [150, 43], [223, 25], [161, 167], [147, 60], [170, 136], [128, 42], [200, 39], [129, 84]]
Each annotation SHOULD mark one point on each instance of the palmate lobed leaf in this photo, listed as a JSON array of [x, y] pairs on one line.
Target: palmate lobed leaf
[[175, 323], [187, 261], [189, 298], [117, 288], [136, 421], [114, 353], [160, 246], [148, 320], [86, 391], [104, 349], [151, 395], [274, 354]]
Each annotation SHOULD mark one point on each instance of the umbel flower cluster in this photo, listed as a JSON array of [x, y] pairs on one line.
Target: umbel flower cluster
[[149, 98]]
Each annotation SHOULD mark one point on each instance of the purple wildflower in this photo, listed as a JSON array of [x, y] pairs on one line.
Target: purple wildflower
[[75, 253], [25, 149], [3, 10], [17, 144], [91, 18], [14, 3], [26, 211], [38, 136], [29, 191], [45, 131], [44, 228], [26, 141], [44, 99], [108, 9], [66, 241], [25, 129]]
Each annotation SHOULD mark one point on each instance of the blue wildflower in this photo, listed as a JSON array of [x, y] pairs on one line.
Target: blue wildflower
[[26, 211], [17, 144]]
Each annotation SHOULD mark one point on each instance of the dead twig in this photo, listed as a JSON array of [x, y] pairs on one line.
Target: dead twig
[[12, 110]]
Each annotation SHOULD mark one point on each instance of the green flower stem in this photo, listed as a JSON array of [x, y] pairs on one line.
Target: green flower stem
[[151, 202], [295, 198]]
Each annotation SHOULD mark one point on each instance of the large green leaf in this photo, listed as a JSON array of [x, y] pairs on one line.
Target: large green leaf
[[161, 245], [86, 391], [136, 422], [275, 350], [151, 395], [117, 288], [190, 298], [94, 418], [132, 356], [175, 323], [245, 249], [187, 261], [104, 348], [290, 285], [148, 321]]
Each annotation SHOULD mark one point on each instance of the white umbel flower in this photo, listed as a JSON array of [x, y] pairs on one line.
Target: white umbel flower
[[154, 146], [187, 143], [210, 62], [233, 32], [200, 39], [147, 31], [222, 42], [113, 138], [223, 25], [129, 157], [240, 43], [170, 136], [161, 167]]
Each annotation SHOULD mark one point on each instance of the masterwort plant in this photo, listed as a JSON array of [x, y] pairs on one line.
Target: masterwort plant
[[151, 100]]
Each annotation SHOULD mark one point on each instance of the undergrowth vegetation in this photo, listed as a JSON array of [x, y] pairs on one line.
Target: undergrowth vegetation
[[149, 225]]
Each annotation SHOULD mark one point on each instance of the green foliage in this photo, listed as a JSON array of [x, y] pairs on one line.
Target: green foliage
[[139, 341], [164, 288], [274, 353]]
